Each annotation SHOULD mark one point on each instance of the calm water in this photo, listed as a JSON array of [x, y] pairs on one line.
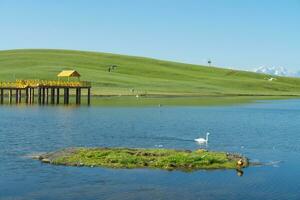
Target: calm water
[[267, 131]]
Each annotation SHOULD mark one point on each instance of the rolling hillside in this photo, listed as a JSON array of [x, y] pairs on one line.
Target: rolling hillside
[[133, 75]]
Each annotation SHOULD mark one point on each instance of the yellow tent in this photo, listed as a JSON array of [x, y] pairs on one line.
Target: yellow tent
[[68, 73]]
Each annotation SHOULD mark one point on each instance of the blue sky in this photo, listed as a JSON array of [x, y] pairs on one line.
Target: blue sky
[[242, 34]]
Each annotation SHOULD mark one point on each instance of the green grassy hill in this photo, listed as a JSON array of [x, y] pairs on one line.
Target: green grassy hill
[[144, 75]]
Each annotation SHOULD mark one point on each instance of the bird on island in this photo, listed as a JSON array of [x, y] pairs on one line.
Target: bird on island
[[240, 163], [202, 140]]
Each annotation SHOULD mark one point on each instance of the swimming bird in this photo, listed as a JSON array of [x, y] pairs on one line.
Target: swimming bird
[[202, 140]]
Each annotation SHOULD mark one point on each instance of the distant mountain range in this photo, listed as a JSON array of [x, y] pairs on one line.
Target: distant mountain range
[[277, 71]]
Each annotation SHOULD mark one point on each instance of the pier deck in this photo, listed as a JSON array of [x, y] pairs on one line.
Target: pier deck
[[46, 92]]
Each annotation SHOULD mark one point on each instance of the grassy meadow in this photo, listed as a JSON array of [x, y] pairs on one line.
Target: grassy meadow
[[143, 76]]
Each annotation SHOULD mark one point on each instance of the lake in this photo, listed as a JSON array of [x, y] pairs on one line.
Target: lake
[[266, 131]]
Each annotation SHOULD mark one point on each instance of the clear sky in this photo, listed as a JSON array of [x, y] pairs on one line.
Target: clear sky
[[242, 34]]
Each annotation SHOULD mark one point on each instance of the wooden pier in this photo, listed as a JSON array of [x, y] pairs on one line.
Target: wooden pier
[[43, 92]]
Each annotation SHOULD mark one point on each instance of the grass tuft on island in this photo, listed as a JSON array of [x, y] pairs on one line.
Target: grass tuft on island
[[168, 159]]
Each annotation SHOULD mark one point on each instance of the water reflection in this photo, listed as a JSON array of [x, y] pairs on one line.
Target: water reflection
[[239, 172]]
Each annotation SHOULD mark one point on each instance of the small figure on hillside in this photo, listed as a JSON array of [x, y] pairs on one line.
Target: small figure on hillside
[[271, 79], [112, 68]]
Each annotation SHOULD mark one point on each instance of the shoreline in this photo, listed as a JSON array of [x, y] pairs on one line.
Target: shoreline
[[181, 100], [194, 95], [159, 101]]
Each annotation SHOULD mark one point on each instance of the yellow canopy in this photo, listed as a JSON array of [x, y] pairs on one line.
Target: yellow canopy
[[68, 73]]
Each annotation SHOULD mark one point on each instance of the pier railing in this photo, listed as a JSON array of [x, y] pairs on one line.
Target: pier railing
[[43, 83]]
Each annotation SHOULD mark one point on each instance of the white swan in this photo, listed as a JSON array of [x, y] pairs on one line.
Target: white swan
[[202, 140]]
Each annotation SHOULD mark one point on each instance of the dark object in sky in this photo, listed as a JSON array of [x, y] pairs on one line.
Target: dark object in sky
[[209, 62]]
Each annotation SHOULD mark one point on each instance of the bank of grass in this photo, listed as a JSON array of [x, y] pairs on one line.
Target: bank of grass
[[143, 76], [161, 101], [120, 101], [168, 159]]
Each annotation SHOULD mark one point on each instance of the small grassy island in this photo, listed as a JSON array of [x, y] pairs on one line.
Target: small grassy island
[[168, 159]]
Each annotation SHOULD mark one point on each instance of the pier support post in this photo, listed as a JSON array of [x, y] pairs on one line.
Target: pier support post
[[17, 96], [32, 98], [10, 96], [26, 95], [89, 96], [1, 96], [43, 95], [79, 95], [68, 95], [65, 95], [57, 96], [47, 95], [20, 96], [52, 96], [40, 95]]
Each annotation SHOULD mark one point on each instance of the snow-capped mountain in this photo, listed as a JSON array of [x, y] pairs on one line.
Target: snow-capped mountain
[[278, 71], [297, 74]]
